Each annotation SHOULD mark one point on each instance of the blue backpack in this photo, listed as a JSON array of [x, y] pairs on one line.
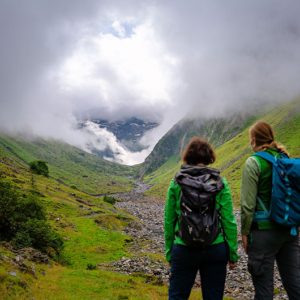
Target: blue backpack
[[285, 200]]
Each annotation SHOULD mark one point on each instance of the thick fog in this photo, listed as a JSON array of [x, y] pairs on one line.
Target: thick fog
[[64, 61]]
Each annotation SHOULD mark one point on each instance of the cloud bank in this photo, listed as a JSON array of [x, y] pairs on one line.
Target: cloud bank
[[155, 60]]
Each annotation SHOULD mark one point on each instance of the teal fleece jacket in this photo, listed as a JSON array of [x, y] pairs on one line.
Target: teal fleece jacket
[[172, 216]]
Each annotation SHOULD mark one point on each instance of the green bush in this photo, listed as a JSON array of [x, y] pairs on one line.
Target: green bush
[[111, 200], [43, 236], [64, 259], [39, 167], [72, 186], [22, 239], [91, 266], [23, 220]]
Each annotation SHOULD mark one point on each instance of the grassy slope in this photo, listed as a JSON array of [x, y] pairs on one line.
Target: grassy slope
[[68, 164], [86, 243], [232, 155], [217, 131]]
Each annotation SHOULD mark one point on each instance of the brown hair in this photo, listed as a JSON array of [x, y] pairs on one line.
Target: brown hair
[[199, 151], [265, 137]]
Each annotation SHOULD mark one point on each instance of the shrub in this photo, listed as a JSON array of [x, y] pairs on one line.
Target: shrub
[[111, 200], [23, 220], [91, 266], [72, 186], [43, 237], [64, 259], [39, 167], [22, 239]]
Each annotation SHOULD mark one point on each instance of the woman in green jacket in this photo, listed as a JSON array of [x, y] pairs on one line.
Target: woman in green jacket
[[211, 260], [264, 241]]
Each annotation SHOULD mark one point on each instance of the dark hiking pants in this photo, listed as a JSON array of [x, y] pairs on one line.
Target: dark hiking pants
[[266, 247], [185, 263]]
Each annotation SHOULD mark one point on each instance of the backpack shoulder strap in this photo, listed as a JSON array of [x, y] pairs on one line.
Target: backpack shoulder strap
[[263, 206], [266, 156]]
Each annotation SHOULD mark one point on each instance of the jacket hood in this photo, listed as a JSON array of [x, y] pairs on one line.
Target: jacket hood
[[203, 178]]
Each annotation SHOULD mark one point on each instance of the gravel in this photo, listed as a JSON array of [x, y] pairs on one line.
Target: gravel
[[148, 237]]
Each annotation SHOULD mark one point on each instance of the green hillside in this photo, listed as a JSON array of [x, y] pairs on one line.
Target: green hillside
[[232, 155], [91, 229], [216, 130], [67, 164]]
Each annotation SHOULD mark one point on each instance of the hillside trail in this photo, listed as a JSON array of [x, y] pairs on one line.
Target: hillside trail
[[148, 245]]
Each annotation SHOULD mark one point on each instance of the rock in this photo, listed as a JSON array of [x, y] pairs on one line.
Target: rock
[[85, 202], [32, 271], [20, 260], [14, 274], [32, 254], [21, 263]]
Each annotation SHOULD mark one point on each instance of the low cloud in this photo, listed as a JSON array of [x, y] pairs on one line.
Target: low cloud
[[62, 62], [101, 139]]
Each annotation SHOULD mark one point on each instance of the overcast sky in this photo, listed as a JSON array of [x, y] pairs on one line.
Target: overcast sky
[[61, 60]]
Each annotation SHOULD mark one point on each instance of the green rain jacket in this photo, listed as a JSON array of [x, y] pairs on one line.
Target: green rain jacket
[[172, 216], [256, 180]]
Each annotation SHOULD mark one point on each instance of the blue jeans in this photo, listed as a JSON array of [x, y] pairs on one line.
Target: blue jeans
[[185, 263]]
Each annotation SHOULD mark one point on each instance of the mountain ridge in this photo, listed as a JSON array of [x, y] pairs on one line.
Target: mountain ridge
[[216, 130], [231, 155]]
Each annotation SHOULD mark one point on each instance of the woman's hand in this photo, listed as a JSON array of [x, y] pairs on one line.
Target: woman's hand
[[232, 265], [245, 242]]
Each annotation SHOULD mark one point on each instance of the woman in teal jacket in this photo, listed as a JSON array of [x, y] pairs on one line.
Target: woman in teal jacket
[[186, 260], [265, 241]]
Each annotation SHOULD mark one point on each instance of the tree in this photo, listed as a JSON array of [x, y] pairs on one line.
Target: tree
[[111, 200], [39, 167]]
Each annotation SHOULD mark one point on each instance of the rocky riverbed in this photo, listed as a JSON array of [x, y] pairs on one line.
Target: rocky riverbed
[[148, 245]]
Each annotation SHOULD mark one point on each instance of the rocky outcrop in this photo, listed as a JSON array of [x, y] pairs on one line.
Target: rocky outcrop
[[21, 260], [29, 254]]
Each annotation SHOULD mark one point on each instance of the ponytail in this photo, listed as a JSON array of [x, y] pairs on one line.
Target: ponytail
[[273, 145], [265, 138]]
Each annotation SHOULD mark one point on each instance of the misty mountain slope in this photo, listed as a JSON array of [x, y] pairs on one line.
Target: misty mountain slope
[[232, 155], [68, 164], [122, 141], [216, 130], [128, 131]]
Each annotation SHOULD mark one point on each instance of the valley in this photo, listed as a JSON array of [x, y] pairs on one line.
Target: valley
[[116, 250], [98, 102]]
